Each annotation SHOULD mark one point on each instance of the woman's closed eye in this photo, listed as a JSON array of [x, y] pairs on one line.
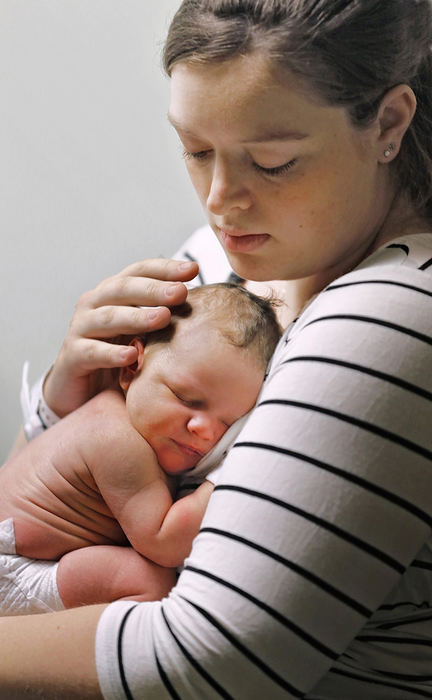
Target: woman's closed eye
[[276, 170], [272, 172], [195, 155]]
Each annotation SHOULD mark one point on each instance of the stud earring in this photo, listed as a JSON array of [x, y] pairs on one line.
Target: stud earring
[[388, 150]]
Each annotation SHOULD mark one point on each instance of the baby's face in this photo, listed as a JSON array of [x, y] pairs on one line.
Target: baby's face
[[189, 392]]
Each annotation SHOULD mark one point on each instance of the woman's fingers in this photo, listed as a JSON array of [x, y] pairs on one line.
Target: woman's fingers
[[135, 291], [162, 269], [129, 303], [89, 355], [146, 283], [110, 321]]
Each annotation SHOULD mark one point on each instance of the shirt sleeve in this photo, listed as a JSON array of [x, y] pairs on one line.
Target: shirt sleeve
[[320, 507]]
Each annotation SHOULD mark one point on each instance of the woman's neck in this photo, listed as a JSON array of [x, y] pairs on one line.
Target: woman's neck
[[401, 220]]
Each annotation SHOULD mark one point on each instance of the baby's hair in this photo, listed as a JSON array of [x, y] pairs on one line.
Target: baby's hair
[[244, 319]]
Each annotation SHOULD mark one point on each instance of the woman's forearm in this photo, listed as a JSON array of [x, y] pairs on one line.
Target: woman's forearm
[[50, 656]]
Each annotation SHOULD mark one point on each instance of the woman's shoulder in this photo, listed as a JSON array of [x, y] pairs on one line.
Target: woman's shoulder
[[381, 309], [395, 280], [409, 253]]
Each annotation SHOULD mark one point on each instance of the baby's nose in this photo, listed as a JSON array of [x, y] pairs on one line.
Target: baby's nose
[[205, 427]]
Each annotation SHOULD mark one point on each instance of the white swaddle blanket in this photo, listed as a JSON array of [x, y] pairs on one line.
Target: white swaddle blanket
[[27, 586]]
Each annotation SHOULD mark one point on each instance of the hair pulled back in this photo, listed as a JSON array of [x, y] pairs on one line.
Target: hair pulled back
[[349, 52]]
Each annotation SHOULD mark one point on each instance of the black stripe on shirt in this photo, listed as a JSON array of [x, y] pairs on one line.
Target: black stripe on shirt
[[124, 682], [165, 680], [358, 422], [393, 640], [352, 478], [299, 570], [188, 256], [407, 677], [426, 264], [401, 623], [364, 370], [374, 681], [388, 282], [207, 677], [402, 246], [247, 652], [315, 643], [403, 603], [234, 278], [422, 564], [374, 321], [324, 524]]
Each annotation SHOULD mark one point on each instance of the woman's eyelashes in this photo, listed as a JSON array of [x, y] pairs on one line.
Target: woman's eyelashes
[[195, 155], [273, 171], [278, 169]]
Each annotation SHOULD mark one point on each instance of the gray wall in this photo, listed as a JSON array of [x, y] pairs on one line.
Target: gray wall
[[91, 175]]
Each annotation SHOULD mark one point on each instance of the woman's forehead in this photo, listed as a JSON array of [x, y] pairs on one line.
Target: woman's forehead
[[257, 105]]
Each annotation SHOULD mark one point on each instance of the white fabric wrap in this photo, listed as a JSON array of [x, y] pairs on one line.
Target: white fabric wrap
[[27, 586]]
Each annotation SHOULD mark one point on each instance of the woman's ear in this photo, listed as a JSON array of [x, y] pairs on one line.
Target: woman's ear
[[395, 114], [128, 373]]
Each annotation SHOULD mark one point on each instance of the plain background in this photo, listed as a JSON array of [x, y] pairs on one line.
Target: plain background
[[91, 173]]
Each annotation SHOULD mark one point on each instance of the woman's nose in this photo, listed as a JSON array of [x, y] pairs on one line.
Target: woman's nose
[[205, 427], [228, 190]]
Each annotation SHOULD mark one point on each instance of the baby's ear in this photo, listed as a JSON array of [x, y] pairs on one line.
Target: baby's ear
[[128, 373]]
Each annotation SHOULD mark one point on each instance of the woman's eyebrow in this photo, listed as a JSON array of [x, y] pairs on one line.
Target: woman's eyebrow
[[276, 135], [263, 136], [178, 125]]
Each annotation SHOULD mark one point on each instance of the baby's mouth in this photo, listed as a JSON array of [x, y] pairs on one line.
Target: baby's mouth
[[188, 450]]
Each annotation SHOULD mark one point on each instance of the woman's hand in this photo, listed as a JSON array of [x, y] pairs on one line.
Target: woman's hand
[[103, 314]]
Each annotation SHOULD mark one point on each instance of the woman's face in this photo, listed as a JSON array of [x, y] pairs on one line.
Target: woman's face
[[289, 186]]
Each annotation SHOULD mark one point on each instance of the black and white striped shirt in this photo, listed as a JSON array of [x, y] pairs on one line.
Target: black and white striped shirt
[[312, 574]]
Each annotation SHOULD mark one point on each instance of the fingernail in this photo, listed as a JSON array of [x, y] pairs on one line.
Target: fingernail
[[184, 266], [172, 289], [153, 315]]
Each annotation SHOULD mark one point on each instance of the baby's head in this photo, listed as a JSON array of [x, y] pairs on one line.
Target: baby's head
[[196, 377]]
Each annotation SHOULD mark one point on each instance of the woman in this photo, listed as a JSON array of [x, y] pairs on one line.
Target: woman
[[306, 127]]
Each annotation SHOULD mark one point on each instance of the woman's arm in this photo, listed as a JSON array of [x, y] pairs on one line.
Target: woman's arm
[[50, 656]]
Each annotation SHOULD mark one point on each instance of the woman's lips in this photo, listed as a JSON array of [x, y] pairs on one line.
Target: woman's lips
[[242, 241]]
